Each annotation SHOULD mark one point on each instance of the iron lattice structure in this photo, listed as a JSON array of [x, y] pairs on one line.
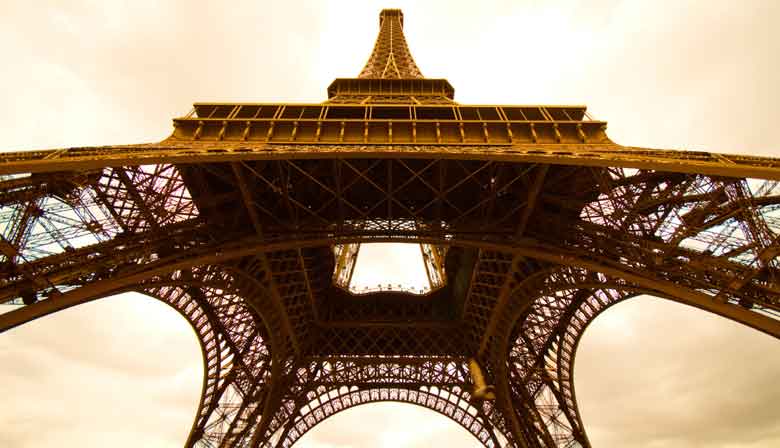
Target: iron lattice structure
[[248, 218]]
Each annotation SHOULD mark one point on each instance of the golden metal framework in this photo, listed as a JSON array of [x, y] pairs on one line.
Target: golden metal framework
[[247, 220]]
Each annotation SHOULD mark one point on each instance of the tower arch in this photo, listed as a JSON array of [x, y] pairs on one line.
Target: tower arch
[[389, 420], [237, 349], [550, 312], [550, 213], [467, 417]]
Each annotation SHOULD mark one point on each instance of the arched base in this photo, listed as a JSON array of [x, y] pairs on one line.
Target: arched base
[[386, 424]]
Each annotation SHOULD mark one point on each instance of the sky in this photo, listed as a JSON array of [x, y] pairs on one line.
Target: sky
[[126, 371]]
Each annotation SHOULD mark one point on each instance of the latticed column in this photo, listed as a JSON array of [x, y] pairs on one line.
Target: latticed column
[[248, 218]]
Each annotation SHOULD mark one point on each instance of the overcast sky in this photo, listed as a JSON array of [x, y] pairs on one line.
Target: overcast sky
[[126, 371]]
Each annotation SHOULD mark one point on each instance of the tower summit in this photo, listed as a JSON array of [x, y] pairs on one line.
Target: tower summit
[[248, 218], [391, 75], [391, 58]]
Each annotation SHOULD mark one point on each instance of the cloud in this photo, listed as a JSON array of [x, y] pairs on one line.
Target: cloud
[[666, 381], [103, 373]]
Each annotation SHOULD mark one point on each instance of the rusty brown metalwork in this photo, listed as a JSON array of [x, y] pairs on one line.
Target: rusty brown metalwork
[[249, 217]]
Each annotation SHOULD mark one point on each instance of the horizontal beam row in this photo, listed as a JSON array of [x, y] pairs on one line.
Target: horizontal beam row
[[442, 112], [207, 254], [379, 86], [186, 152], [388, 131]]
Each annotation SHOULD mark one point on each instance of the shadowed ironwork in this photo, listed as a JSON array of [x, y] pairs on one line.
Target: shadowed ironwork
[[248, 221]]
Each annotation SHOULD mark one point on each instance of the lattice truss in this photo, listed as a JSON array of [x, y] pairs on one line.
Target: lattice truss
[[391, 57], [249, 218], [534, 285], [321, 388]]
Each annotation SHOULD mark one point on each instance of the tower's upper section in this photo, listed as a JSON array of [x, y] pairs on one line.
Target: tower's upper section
[[390, 103], [390, 75], [391, 58]]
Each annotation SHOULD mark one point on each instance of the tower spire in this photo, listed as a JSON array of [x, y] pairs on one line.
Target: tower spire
[[391, 58]]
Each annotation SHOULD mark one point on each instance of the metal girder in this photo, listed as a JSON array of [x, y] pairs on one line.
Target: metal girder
[[391, 57], [541, 222], [533, 194], [317, 391], [645, 272], [173, 151]]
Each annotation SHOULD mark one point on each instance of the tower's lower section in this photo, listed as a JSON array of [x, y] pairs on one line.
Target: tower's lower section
[[242, 245]]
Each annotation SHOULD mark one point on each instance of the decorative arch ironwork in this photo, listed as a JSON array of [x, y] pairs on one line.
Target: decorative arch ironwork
[[533, 360], [228, 219], [436, 400]]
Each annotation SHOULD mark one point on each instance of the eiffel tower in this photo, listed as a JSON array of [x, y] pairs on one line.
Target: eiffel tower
[[249, 218]]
